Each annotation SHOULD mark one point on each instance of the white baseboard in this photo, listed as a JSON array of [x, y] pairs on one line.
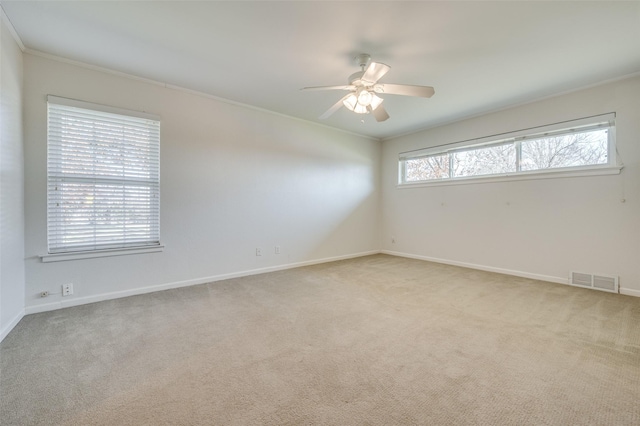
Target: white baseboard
[[629, 292], [559, 280], [178, 284], [522, 274], [34, 309], [7, 328]]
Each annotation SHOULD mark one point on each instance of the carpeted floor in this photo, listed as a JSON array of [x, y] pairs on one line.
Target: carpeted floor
[[377, 340]]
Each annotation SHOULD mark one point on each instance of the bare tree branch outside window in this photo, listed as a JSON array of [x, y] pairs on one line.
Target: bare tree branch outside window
[[488, 160], [427, 168], [578, 149]]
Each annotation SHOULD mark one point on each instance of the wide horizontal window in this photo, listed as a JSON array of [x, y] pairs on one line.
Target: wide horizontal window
[[103, 178], [577, 145]]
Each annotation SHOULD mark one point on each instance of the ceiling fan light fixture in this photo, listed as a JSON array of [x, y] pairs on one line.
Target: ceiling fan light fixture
[[353, 102], [375, 101], [364, 97]]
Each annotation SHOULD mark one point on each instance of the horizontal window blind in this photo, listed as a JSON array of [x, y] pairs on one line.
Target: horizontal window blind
[[103, 173]]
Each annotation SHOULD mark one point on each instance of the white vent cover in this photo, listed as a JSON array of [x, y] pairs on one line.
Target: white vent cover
[[597, 282], [605, 283]]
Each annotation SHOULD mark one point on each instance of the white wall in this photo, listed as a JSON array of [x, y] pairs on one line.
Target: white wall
[[235, 178], [232, 179], [12, 274], [539, 228]]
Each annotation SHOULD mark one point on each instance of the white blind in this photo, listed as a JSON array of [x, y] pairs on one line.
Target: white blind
[[103, 178]]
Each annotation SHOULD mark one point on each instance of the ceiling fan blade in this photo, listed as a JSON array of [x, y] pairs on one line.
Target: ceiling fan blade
[[405, 89], [379, 113], [334, 108], [329, 88], [375, 71]]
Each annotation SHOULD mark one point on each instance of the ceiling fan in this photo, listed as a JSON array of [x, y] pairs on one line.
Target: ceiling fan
[[364, 88]]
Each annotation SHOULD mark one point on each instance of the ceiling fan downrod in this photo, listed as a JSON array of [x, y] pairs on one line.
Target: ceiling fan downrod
[[363, 60]]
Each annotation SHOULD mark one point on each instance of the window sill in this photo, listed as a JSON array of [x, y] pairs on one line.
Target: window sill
[[78, 255], [555, 174]]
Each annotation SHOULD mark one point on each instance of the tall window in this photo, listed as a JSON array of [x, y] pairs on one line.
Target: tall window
[[103, 178], [578, 145]]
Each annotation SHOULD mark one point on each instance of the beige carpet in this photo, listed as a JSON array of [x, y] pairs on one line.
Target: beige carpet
[[378, 340]]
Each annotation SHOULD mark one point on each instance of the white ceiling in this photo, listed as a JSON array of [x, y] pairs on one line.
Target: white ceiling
[[480, 56]]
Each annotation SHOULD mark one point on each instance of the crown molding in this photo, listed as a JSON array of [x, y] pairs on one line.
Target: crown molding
[[11, 29]]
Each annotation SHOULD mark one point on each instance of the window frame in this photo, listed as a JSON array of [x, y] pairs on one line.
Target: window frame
[[613, 165], [121, 246]]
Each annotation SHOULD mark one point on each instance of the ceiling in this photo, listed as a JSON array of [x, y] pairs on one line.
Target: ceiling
[[479, 56]]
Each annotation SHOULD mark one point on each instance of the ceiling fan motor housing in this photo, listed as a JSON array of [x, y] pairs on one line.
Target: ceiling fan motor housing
[[355, 79]]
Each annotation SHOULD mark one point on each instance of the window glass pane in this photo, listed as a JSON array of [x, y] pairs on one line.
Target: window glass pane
[[573, 150], [427, 168], [581, 144], [487, 160]]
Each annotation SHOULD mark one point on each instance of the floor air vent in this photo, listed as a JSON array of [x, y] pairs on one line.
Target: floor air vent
[[598, 282]]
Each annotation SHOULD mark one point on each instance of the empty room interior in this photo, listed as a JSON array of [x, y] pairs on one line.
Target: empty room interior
[[345, 213]]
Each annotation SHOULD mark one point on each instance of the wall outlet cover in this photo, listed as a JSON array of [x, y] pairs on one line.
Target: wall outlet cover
[[67, 289]]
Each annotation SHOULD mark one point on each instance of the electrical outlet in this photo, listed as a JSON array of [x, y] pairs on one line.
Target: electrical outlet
[[258, 251], [67, 289], [277, 249], [44, 293]]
